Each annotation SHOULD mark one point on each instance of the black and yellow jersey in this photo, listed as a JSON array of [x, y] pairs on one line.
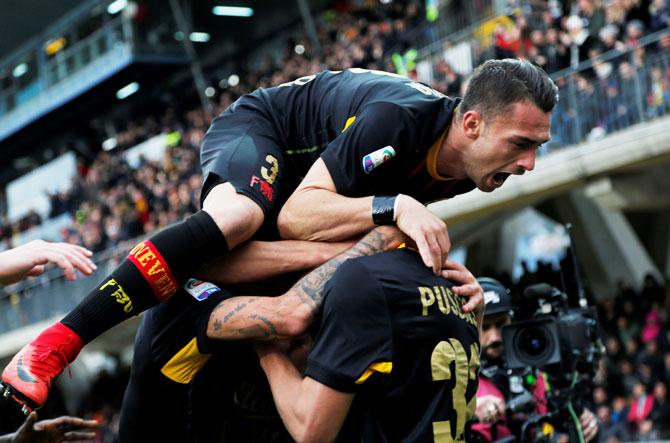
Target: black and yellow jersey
[[377, 132], [395, 334]]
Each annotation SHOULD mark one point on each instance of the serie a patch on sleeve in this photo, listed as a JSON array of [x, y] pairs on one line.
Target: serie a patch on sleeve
[[378, 157], [200, 290]]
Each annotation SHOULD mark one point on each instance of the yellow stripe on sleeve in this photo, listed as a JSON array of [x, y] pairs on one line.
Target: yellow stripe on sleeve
[[384, 367]]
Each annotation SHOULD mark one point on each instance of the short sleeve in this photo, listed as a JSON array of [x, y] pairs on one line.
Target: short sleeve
[[354, 339], [377, 140]]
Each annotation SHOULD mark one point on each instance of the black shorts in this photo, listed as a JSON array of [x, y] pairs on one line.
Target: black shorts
[[186, 387], [242, 147], [171, 353]]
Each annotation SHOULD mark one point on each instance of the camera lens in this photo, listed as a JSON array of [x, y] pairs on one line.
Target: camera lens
[[533, 341]]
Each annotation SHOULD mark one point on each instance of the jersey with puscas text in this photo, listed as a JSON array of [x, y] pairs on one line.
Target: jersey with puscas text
[[395, 334], [372, 129]]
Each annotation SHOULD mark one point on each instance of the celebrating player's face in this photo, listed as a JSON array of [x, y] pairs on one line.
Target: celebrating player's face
[[506, 145]]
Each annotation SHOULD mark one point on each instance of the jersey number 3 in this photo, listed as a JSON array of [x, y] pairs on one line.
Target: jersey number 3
[[444, 354]]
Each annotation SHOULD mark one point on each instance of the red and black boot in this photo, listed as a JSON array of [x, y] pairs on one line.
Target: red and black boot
[[27, 378]]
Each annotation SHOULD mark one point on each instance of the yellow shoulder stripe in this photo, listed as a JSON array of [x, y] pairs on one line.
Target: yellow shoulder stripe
[[383, 366], [431, 160], [348, 123], [185, 364]]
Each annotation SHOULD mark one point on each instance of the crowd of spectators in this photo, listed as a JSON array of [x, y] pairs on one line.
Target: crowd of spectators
[[630, 394], [620, 81], [625, 83], [111, 202], [115, 202]]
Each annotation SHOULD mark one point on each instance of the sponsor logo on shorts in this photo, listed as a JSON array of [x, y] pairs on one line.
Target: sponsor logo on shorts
[[376, 158], [269, 174], [154, 269], [119, 294], [200, 290], [263, 186]]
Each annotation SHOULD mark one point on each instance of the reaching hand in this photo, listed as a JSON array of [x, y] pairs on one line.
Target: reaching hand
[[589, 424], [54, 431], [29, 260], [427, 230], [469, 286]]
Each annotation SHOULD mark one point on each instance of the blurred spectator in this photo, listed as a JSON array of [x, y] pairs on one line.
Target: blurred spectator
[[610, 431], [634, 31], [592, 13], [582, 41], [640, 407], [660, 414], [660, 15], [652, 324], [658, 96]]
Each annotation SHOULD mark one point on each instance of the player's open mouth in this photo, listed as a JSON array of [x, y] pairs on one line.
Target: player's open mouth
[[500, 177]]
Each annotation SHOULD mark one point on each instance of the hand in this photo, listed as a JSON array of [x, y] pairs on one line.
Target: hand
[[589, 424], [468, 285], [29, 260], [490, 408], [427, 230], [54, 431]]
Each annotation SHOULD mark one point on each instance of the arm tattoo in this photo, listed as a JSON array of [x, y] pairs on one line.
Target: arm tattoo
[[237, 309], [272, 330], [310, 287], [245, 319]]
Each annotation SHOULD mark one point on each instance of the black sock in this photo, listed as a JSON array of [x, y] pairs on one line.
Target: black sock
[[153, 271]]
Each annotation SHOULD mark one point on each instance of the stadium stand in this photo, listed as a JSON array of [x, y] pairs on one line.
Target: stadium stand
[[610, 58]]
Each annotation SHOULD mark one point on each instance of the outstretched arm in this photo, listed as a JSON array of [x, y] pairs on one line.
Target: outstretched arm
[[52, 431], [29, 259], [289, 315], [260, 260]]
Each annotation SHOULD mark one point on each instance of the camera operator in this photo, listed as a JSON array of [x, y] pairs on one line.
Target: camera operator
[[496, 423]]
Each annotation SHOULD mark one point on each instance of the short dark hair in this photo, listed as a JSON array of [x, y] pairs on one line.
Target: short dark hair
[[497, 84]]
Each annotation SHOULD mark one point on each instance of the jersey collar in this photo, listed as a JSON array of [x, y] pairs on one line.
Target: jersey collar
[[431, 159]]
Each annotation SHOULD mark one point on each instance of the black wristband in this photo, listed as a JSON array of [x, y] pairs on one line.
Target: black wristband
[[383, 210]]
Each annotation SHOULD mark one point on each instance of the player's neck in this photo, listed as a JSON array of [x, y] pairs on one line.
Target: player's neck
[[449, 158]]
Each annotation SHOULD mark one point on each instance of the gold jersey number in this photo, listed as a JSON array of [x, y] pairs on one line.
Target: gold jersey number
[[270, 175], [444, 354]]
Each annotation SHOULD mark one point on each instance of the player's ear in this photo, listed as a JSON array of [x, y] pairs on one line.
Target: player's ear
[[472, 124]]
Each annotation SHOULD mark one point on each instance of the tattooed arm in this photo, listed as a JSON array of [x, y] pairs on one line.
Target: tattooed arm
[[289, 315]]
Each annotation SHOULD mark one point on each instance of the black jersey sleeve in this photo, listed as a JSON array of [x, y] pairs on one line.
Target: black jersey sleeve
[[355, 338], [364, 153]]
